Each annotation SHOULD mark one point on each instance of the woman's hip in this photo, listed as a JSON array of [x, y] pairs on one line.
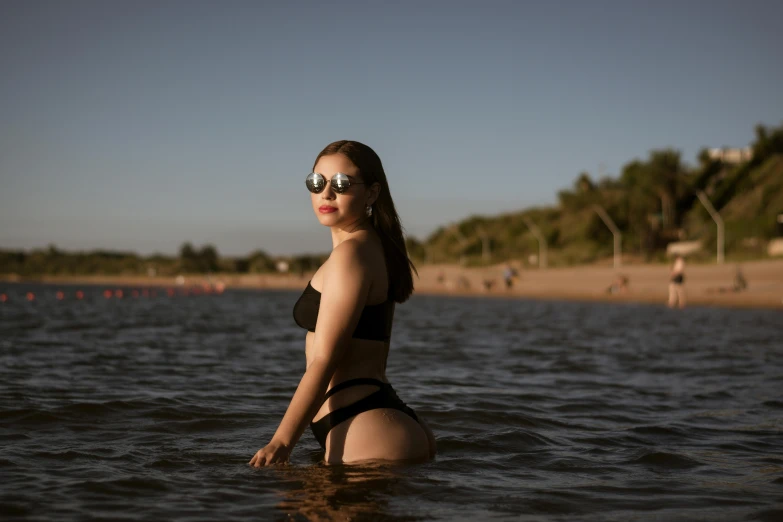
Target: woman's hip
[[378, 434]]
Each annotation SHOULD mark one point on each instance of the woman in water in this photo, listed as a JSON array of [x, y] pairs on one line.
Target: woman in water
[[347, 308]]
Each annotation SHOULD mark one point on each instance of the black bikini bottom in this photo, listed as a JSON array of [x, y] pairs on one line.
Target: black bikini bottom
[[386, 397]]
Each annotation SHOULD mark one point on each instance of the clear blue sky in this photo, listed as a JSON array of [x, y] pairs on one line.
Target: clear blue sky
[[139, 125]]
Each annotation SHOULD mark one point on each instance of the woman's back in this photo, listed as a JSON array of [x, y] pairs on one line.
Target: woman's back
[[364, 357]]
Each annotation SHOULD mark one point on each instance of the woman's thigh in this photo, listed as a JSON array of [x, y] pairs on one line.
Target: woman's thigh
[[380, 434]]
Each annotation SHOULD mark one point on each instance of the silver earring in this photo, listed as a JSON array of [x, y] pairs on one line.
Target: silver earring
[[369, 211]]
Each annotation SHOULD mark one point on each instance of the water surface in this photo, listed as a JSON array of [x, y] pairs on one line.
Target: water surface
[[150, 408]]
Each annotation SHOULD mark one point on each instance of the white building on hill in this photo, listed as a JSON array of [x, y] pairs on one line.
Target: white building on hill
[[731, 155]]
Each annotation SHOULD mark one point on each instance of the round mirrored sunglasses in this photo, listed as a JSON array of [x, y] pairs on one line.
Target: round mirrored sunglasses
[[340, 182]]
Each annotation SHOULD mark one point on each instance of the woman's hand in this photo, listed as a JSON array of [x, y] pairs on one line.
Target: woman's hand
[[273, 453]]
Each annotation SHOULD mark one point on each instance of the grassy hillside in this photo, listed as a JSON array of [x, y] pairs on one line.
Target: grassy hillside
[[653, 202]]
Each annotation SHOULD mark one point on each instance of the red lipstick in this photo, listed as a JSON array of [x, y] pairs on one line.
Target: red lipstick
[[326, 209]]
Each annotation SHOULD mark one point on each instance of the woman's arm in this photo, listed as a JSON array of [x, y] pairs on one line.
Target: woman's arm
[[343, 296]]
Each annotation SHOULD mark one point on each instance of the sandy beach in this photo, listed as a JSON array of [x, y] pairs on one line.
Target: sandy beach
[[704, 284]]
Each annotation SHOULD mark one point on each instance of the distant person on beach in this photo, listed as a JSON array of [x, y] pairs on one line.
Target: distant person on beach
[[738, 285], [508, 276], [677, 283], [618, 286], [347, 309]]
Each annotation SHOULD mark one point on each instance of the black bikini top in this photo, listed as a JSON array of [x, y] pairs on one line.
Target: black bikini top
[[375, 322]]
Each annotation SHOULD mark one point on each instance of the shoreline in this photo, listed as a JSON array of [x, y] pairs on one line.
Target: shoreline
[[648, 283]]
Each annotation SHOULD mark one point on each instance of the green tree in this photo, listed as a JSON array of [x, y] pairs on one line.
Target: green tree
[[188, 258], [208, 259]]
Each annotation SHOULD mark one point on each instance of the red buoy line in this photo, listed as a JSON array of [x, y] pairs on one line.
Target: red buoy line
[[119, 293]]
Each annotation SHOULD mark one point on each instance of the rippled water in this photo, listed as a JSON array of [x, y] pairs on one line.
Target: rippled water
[[150, 408]]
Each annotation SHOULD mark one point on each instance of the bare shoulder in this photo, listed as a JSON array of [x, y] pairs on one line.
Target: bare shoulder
[[353, 257], [347, 272], [353, 254]]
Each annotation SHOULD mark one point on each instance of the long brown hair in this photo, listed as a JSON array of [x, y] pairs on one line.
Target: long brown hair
[[384, 217]]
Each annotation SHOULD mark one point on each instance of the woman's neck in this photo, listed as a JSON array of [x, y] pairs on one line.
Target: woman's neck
[[341, 234]]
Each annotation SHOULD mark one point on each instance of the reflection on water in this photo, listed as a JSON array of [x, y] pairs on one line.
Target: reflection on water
[[337, 492]]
